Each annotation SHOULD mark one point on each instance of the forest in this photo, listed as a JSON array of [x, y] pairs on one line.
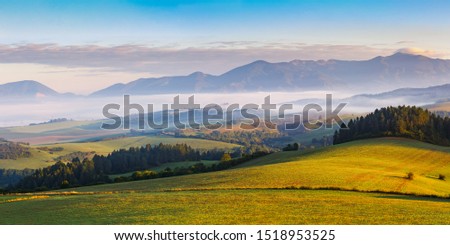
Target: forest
[[402, 121], [9, 177], [96, 171]]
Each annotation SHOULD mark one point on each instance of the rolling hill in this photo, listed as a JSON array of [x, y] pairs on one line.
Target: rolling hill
[[366, 165], [42, 158], [60, 132], [414, 96], [361, 182]]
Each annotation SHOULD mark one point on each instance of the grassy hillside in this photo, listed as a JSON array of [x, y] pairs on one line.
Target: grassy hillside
[[58, 132], [443, 106], [106, 146], [255, 193], [226, 207], [368, 165], [42, 158]]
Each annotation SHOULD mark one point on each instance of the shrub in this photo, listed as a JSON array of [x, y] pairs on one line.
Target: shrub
[[226, 157], [65, 184], [441, 177], [410, 176]]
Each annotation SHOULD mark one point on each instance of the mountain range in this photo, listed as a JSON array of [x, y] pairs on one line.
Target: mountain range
[[376, 75]]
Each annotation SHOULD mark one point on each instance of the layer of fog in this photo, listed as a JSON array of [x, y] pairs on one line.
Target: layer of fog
[[23, 112]]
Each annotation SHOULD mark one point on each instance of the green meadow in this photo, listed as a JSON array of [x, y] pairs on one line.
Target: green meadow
[[228, 207], [361, 182]]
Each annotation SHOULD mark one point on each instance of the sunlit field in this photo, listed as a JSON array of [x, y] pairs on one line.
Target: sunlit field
[[362, 182]]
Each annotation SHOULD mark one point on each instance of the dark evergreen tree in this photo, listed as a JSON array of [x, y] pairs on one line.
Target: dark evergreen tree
[[403, 121]]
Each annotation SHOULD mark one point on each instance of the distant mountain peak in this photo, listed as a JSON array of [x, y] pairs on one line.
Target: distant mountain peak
[[260, 62], [25, 83], [198, 74], [26, 88], [414, 52], [401, 53]]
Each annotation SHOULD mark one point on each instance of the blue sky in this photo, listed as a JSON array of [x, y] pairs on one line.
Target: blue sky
[[115, 22], [87, 40]]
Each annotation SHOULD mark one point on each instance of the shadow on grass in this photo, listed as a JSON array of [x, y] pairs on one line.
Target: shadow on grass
[[435, 177], [281, 157], [414, 198], [396, 176]]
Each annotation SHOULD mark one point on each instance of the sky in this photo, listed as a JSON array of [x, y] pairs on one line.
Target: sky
[[82, 46]]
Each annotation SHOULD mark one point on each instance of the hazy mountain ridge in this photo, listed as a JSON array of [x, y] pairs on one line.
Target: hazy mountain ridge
[[374, 75], [29, 89], [420, 95], [26, 88]]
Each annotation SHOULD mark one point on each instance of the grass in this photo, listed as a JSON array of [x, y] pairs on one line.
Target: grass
[[41, 158], [366, 165], [228, 207], [282, 188], [57, 132], [107, 146], [42, 128]]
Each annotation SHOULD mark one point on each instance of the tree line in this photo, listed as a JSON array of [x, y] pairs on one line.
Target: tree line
[[10, 177], [194, 169], [96, 171], [402, 121]]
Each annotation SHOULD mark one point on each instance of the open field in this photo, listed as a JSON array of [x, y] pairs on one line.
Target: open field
[[258, 192], [367, 165], [228, 207], [58, 132], [42, 158]]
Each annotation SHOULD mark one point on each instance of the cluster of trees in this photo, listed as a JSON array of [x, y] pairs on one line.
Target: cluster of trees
[[403, 121], [196, 168], [254, 140], [56, 120], [52, 149], [10, 177], [62, 175], [73, 155], [139, 158], [95, 171], [12, 150], [293, 147]]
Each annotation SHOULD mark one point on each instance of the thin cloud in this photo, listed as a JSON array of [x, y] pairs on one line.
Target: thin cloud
[[214, 58], [419, 51], [405, 42]]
